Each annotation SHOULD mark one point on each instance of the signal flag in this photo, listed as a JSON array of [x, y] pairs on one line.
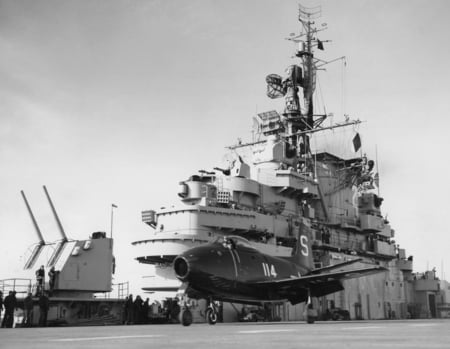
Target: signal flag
[[319, 44], [356, 142]]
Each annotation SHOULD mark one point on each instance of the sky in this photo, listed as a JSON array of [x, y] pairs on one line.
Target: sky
[[117, 101]]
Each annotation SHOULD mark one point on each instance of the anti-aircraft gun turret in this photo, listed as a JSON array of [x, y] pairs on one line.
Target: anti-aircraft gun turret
[[80, 269]]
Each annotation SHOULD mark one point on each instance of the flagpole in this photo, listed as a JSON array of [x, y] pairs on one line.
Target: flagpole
[[112, 218], [378, 171]]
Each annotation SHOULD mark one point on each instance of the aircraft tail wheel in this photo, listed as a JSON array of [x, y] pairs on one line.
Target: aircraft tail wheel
[[211, 316], [310, 319], [186, 317]]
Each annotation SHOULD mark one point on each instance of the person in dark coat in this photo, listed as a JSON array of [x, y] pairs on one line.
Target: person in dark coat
[[10, 303], [40, 278], [138, 310], [129, 306], [51, 278], [44, 304], [125, 311], [1, 303], [28, 307], [145, 310]]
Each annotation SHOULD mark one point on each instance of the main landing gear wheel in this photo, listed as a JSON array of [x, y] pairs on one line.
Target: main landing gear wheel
[[311, 314], [211, 316], [186, 317], [310, 319]]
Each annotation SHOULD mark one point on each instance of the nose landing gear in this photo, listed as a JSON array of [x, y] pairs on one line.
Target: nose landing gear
[[211, 316], [212, 312], [185, 316]]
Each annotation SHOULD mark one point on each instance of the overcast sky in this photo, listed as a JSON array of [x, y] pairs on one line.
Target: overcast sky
[[117, 101]]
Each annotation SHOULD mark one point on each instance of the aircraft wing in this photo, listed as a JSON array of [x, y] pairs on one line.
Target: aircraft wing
[[319, 284], [345, 274], [304, 281], [335, 266]]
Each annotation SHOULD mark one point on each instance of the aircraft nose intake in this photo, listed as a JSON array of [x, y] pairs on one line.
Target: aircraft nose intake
[[181, 267]]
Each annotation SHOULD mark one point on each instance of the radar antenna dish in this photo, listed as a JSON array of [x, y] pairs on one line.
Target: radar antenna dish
[[275, 88], [309, 13]]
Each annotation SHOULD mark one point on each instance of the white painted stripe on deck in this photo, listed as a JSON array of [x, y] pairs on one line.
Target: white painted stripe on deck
[[80, 339], [422, 325], [362, 327], [265, 331]]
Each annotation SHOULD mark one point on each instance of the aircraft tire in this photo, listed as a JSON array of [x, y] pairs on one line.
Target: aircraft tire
[[211, 316], [186, 317], [310, 319]]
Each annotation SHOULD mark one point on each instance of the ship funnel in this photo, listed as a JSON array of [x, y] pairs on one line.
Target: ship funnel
[[38, 248], [60, 246]]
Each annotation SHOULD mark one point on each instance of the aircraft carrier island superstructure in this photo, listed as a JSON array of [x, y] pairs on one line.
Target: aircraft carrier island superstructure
[[277, 181]]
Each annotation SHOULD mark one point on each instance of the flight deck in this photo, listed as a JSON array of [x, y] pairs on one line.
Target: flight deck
[[328, 334]]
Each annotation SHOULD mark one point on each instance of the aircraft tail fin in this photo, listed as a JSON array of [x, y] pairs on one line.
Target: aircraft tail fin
[[302, 253]]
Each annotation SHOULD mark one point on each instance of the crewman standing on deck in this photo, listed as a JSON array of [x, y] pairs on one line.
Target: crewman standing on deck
[[51, 278], [43, 309], [10, 303], [1, 303], [28, 307], [40, 277], [129, 310]]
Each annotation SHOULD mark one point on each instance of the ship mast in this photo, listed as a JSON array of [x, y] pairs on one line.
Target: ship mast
[[305, 17], [299, 119]]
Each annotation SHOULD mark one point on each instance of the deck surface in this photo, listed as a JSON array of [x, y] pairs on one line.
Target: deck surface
[[350, 334]]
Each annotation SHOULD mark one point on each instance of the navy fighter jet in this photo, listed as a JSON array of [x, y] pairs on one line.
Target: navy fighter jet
[[231, 270]]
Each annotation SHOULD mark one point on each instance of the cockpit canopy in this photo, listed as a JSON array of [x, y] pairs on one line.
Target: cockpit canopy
[[234, 241]]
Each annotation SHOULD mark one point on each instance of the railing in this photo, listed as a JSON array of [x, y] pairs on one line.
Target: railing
[[20, 286], [122, 289], [443, 305]]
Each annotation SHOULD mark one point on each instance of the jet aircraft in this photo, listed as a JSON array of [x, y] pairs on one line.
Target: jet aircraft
[[231, 270]]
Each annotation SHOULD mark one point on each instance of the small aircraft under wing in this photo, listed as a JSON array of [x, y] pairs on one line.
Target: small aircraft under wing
[[231, 270]]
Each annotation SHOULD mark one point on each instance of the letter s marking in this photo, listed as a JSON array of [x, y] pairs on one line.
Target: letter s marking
[[304, 244]]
